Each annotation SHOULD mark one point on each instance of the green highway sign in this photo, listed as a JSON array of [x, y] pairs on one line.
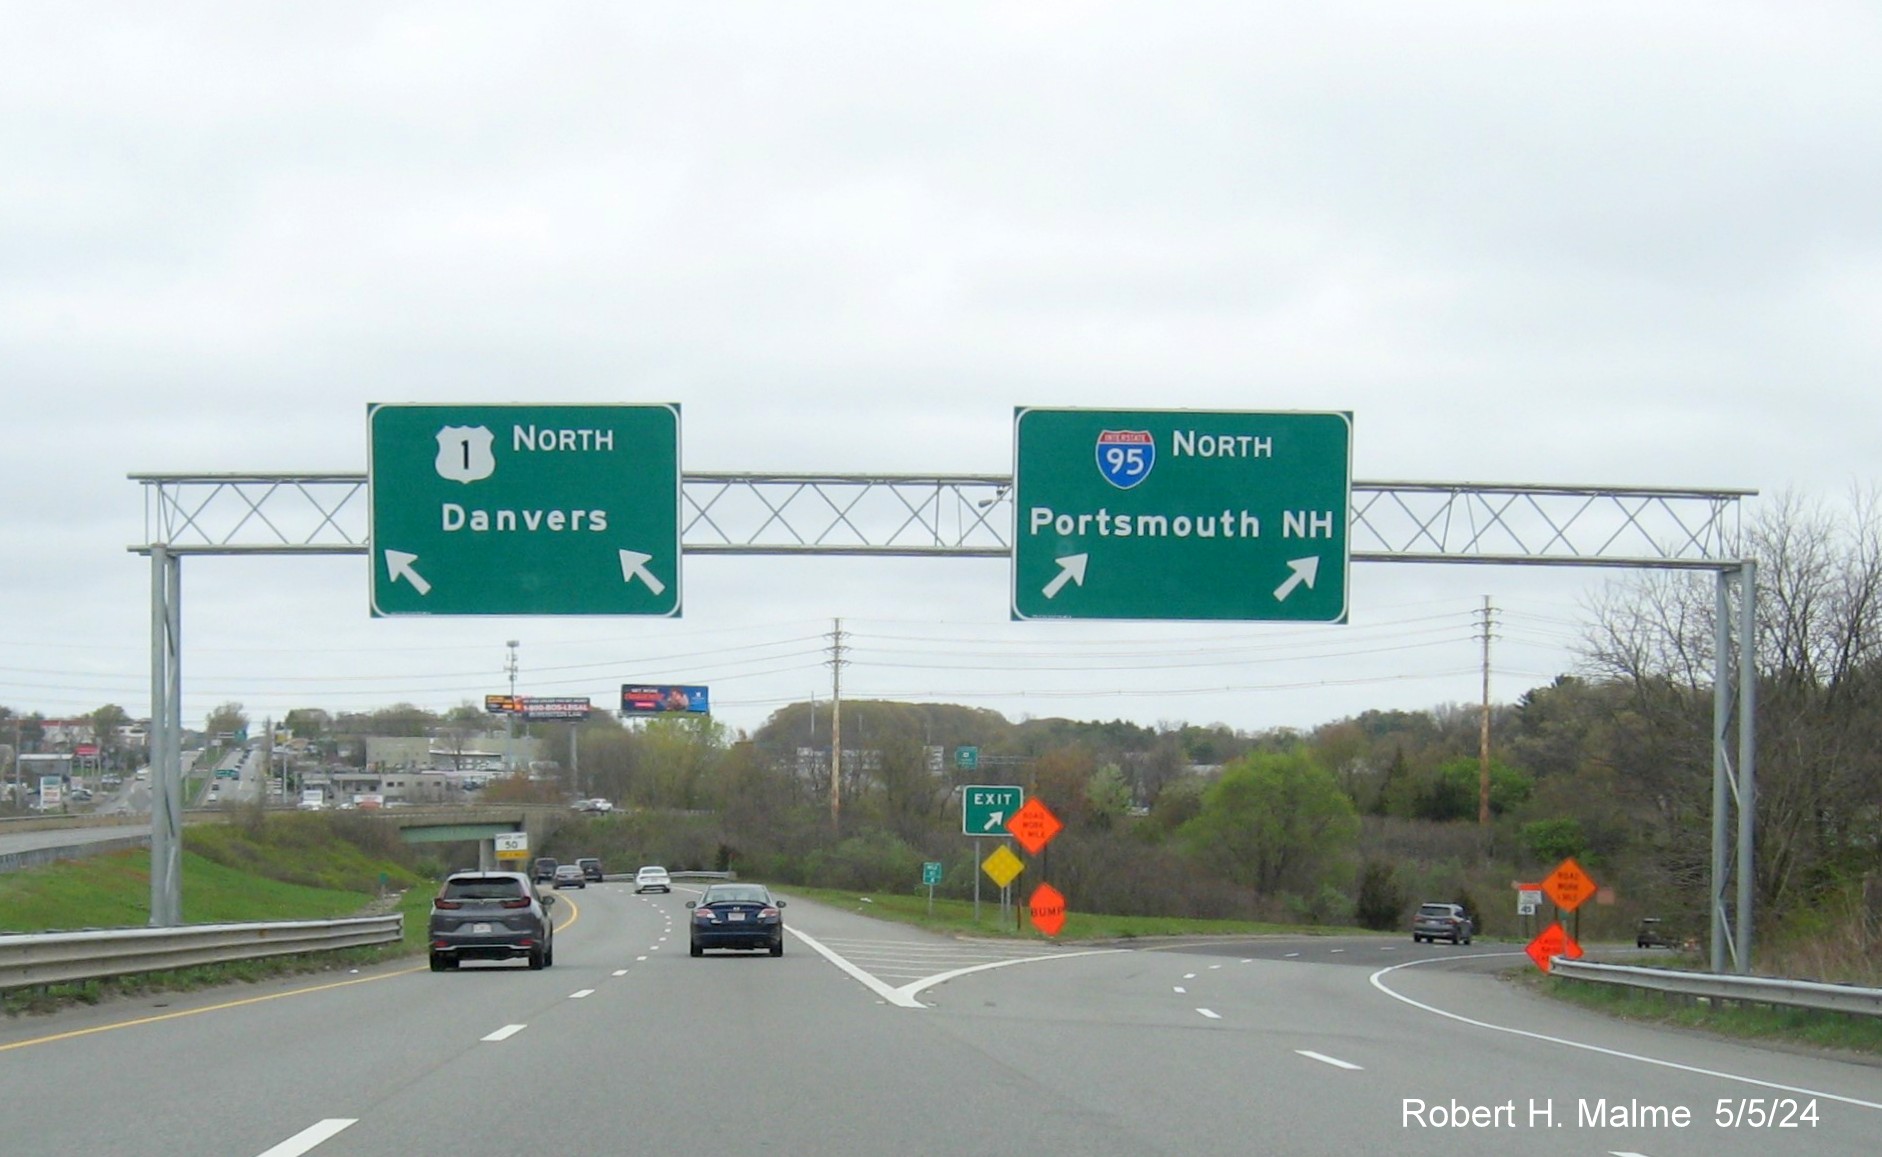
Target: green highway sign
[[985, 808], [524, 509], [1181, 514], [967, 758], [931, 873]]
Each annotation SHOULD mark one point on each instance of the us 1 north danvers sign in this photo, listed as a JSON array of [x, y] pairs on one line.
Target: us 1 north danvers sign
[[524, 510], [1181, 514]]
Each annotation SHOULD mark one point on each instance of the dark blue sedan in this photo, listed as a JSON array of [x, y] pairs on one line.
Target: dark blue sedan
[[737, 916]]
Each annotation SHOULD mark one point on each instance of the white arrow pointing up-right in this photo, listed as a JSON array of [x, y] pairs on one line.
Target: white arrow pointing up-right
[[1305, 571], [1071, 569], [995, 821]]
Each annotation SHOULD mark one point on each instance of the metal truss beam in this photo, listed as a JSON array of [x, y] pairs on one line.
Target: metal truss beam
[[971, 515]]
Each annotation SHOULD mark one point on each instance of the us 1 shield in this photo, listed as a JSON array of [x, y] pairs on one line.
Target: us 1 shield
[[464, 453]]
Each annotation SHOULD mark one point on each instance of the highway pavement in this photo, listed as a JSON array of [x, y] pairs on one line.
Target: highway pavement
[[874, 1038]]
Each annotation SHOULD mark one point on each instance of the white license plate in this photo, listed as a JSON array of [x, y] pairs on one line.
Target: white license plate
[[480, 929], [735, 917]]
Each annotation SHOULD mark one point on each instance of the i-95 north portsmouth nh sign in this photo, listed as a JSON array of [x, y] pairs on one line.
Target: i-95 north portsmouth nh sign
[[1181, 514]]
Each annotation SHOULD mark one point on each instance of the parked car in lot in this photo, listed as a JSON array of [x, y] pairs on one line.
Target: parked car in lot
[[737, 916], [591, 869], [652, 879], [569, 876], [1442, 922], [490, 916]]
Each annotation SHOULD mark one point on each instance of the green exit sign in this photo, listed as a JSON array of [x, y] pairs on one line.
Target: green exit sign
[[1181, 514], [985, 808], [524, 509]]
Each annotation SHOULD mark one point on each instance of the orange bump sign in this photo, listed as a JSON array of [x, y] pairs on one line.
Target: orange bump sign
[[1047, 908]]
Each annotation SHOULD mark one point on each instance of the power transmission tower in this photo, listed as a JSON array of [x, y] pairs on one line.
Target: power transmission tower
[[1483, 719], [836, 662]]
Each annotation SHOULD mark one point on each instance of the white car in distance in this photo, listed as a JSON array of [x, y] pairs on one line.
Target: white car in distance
[[650, 879]]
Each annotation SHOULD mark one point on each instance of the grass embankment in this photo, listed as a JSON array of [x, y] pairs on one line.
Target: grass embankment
[[286, 868], [957, 916], [1763, 1023]]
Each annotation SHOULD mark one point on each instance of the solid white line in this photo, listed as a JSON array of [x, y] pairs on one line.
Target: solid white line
[[941, 977], [309, 1137], [1418, 1004], [904, 997], [868, 981], [506, 1032], [1209, 1014], [1327, 1060], [581, 993]]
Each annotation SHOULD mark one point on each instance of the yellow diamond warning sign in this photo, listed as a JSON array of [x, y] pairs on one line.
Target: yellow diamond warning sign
[[1002, 865]]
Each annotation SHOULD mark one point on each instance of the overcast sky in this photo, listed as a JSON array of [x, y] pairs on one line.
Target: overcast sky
[[1576, 243]]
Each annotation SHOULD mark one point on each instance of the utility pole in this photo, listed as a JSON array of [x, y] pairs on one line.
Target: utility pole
[[1483, 725], [509, 717], [836, 724]]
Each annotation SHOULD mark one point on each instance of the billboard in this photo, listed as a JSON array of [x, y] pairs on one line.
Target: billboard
[[537, 707], [663, 699]]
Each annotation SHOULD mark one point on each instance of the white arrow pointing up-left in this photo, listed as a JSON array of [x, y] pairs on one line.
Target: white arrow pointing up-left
[[634, 565], [399, 566]]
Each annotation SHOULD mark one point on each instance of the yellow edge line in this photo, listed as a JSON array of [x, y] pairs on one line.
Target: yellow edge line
[[197, 1011], [575, 914]]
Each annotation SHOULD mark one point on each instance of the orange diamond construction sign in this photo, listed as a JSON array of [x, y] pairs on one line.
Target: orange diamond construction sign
[[1034, 825], [1552, 942], [1568, 886], [1047, 908]]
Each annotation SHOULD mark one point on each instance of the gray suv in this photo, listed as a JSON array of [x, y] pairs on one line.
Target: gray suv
[[490, 916], [1442, 922]]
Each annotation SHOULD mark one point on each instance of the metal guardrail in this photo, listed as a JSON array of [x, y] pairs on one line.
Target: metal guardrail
[[59, 957], [1758, 989]]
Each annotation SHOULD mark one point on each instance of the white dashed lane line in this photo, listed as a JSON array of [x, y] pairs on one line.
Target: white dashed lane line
[[506, 1032], [1180, 988], [581, 993], [620, 972], [1327, 1060], [1212, 1015], [309, 1137]]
